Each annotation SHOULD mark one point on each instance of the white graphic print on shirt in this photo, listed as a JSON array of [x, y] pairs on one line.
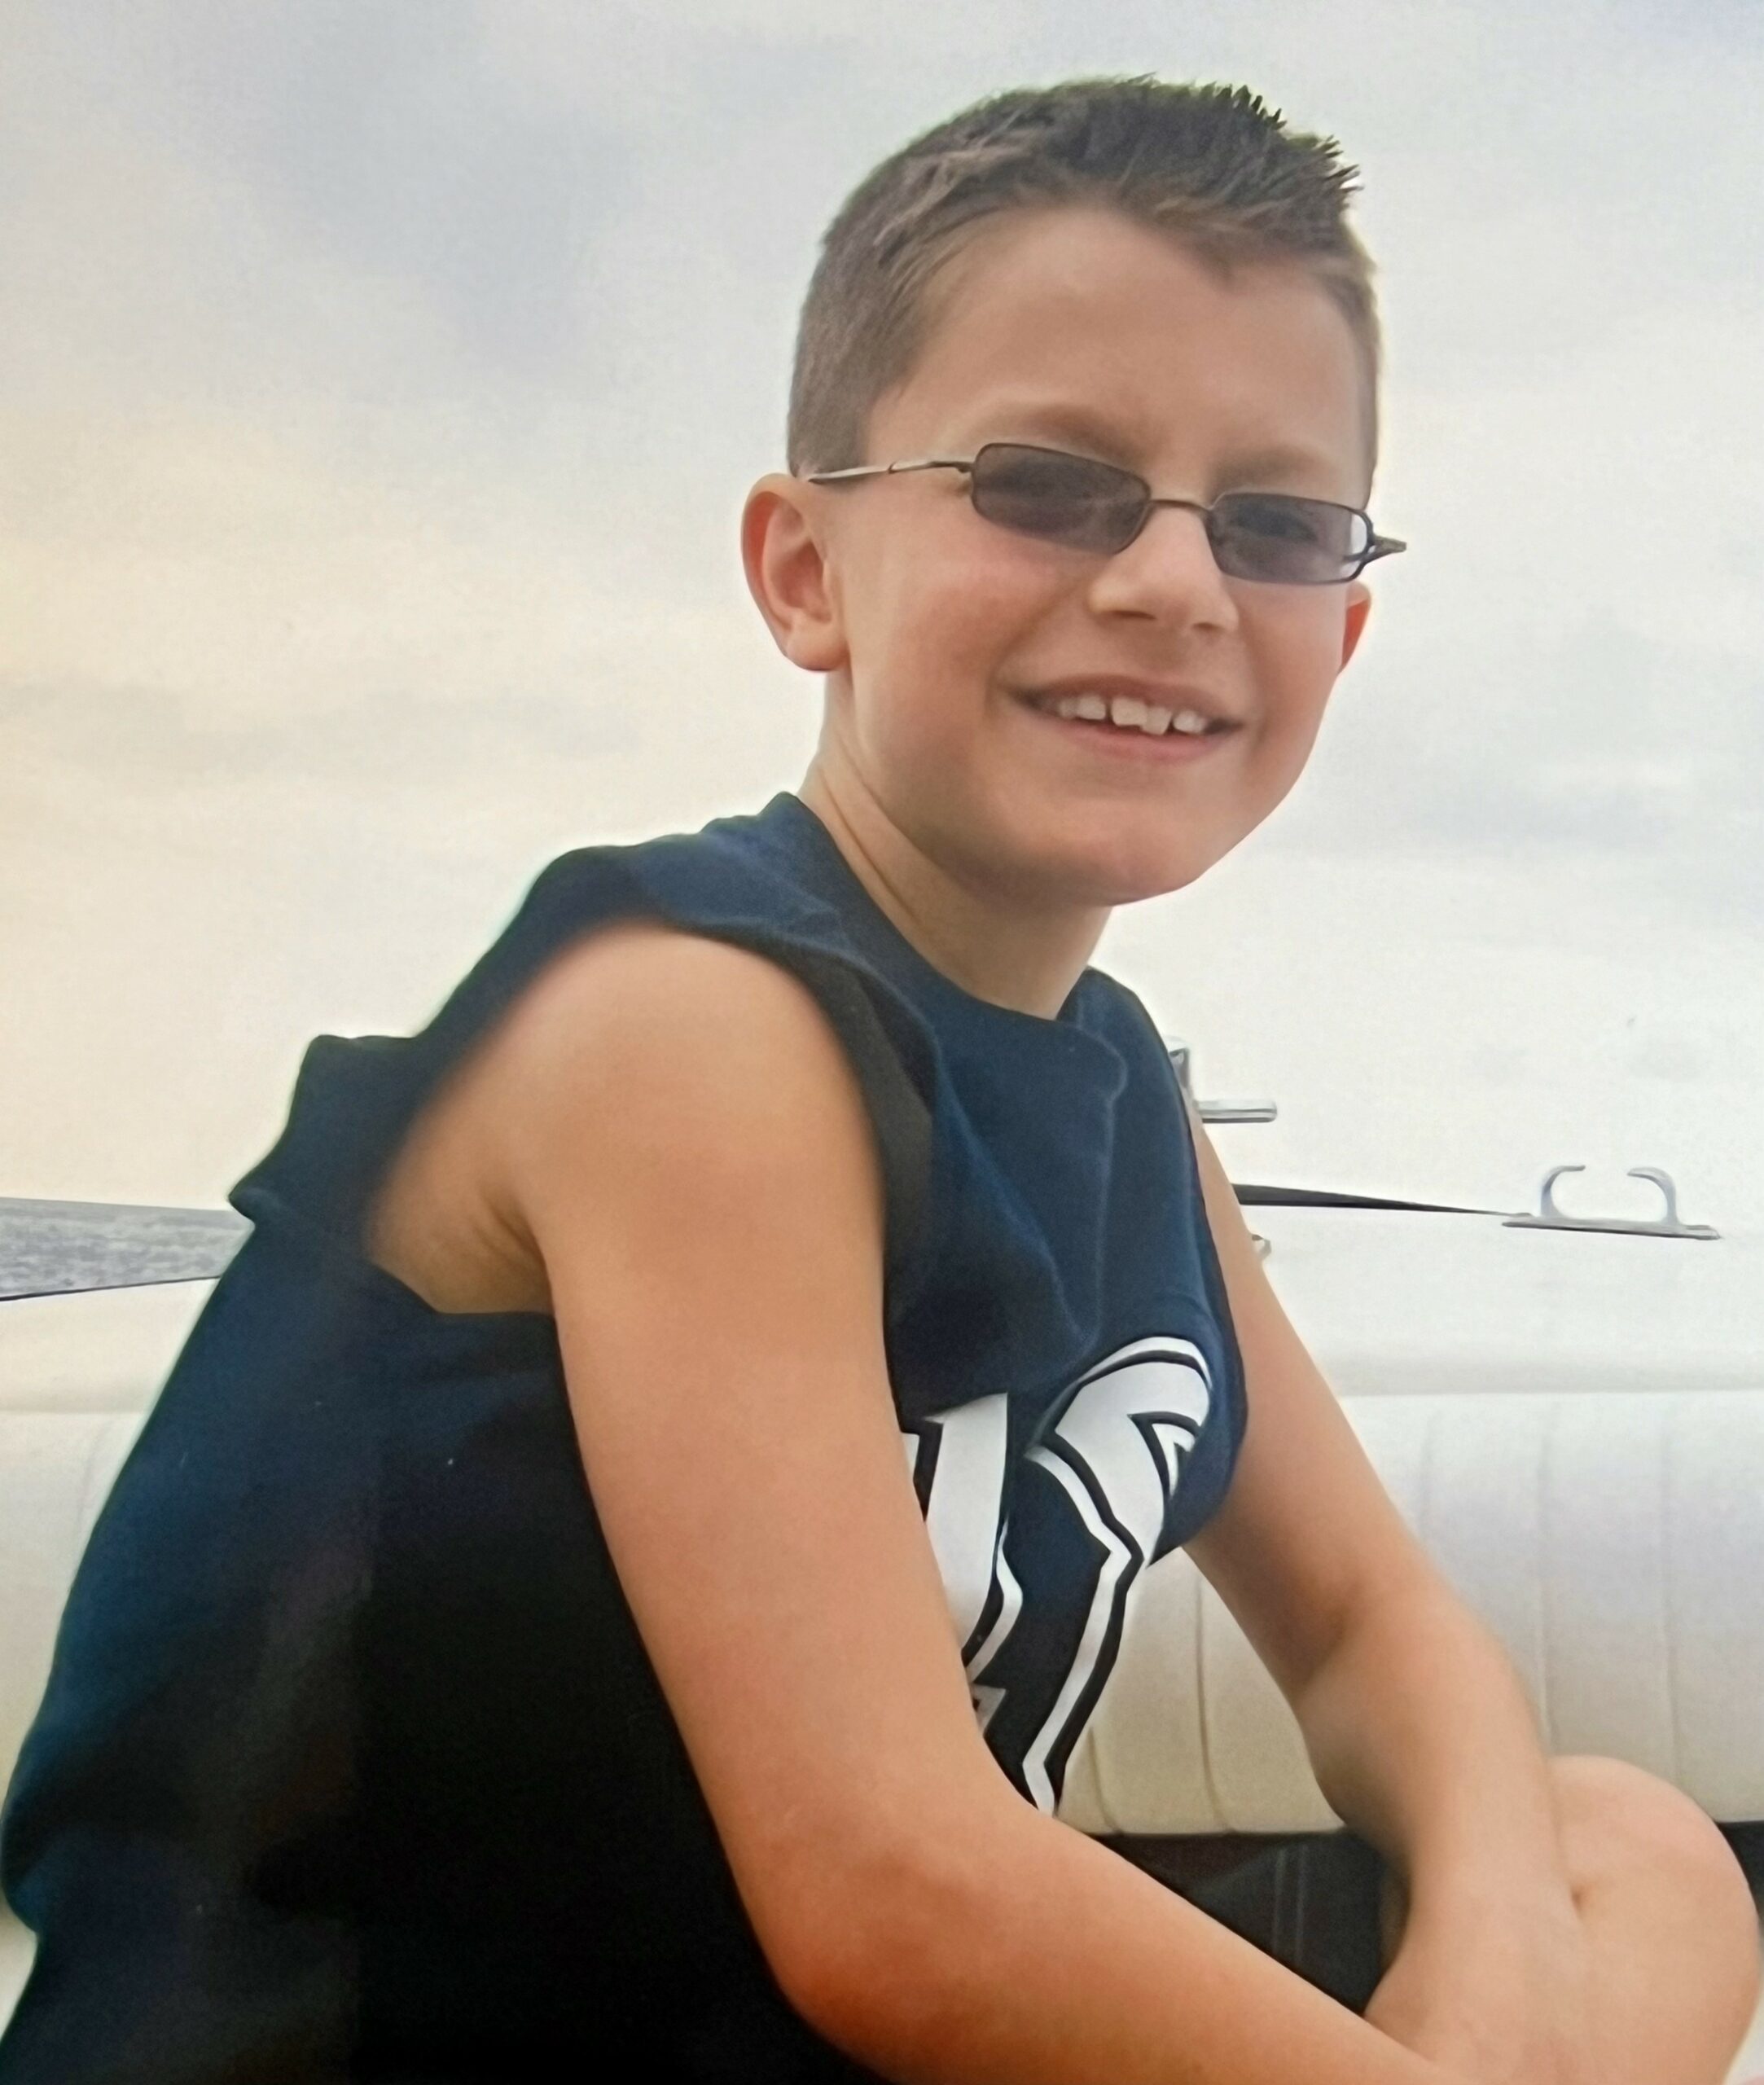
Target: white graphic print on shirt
[[1038, 1560]]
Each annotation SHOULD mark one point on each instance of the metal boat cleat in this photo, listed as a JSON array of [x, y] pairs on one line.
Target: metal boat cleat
[[1550, 1217], [1214, 1110]]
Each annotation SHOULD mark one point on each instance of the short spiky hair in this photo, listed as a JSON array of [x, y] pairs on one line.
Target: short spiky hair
[[1211, 166]]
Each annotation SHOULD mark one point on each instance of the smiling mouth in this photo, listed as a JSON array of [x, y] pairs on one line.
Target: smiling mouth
[[1142, 731], [1131, 708]]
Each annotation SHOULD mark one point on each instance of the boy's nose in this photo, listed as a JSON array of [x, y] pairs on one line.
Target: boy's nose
[[1169, 569]]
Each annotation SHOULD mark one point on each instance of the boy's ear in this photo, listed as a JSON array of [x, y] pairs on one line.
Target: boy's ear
[[784, 555], [1359, 607]]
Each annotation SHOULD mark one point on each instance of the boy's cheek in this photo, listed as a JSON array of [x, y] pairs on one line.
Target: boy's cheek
[[1287, 741], [1296, 667]]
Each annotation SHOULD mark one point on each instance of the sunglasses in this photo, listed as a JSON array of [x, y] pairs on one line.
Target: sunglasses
[[1091, 506]]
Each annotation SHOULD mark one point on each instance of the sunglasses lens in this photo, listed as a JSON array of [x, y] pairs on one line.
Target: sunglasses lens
[[1277, 536], [1092, 506], [1067, 499]]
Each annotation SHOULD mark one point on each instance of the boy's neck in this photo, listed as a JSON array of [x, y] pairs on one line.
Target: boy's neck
[[1028, 963]]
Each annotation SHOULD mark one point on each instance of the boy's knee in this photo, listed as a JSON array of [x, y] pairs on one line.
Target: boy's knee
[[1615, 1817]]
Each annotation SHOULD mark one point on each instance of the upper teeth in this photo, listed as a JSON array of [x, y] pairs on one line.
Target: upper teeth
[[1152, 718]]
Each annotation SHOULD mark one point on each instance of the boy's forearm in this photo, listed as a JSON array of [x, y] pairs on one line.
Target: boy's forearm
[[1052, 1959], [1423, 1741]]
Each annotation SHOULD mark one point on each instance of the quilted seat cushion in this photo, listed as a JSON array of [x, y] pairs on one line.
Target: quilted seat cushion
[[1612, 1541], [55, 1470]]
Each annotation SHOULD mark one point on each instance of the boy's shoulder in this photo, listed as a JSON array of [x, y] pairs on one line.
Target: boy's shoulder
[[733, 867], [704, 1039]]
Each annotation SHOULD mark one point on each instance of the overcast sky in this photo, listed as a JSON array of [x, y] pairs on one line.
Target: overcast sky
[[379, 385]]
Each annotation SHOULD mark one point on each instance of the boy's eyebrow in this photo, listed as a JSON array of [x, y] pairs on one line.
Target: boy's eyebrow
[[1106, 437]]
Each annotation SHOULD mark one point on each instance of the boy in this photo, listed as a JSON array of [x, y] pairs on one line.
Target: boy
[[825, 1136]]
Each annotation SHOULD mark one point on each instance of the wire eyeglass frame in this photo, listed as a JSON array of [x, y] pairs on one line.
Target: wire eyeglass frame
[[1376, 546]]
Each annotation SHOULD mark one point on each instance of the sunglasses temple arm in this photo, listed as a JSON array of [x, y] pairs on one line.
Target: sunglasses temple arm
[[889, 470]]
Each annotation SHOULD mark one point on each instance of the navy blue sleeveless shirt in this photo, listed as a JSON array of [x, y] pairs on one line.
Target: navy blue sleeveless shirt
[[351, 1762]]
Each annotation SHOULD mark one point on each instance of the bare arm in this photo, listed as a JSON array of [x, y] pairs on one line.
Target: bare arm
[[1423, 1739], [1419, 1732], [710, 1220]]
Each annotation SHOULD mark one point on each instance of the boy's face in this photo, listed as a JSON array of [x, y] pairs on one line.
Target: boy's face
[[932, 622]]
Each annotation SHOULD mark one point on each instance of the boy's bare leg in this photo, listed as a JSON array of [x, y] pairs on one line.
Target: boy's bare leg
[[1669, 1918]]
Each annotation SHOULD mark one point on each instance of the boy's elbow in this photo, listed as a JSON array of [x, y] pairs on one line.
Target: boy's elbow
[[883, 1956]]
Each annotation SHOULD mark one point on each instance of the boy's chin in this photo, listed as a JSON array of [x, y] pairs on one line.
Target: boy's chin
[[1128, 869]]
